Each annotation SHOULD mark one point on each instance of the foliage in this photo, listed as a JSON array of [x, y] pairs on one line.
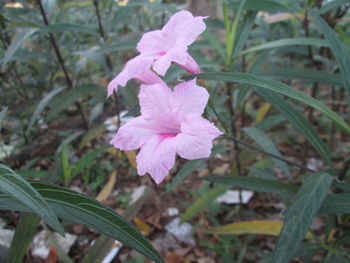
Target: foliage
[[278, 77]]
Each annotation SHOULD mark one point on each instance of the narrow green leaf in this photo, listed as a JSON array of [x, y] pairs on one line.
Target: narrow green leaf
[[268, 145], [50, 6], [258, 5], [78, 208], [53, 28], [16, 43], [202, 202], [270, 122], [65, 164], [23, 55], [300, 214], [2, 116], [19, 189], [231, 35], [214, 41], [305, 74], [299, 122], [332, 5], [41, 106], [336, 204], [69, 97], [341, 54], [243, 31], [154, 5], [308, 41], [88, 159], [279, 88], [117, 47], [25, 231], [99, 250], [91, 134], [186, 170], [257, 184]]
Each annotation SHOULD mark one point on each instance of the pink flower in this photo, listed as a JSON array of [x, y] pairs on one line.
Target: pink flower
[[138, 68], [170, 123], [159, 48]]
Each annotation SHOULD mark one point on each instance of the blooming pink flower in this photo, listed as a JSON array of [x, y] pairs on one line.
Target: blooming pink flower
[[170, 123], [159, 48], [138, 68]]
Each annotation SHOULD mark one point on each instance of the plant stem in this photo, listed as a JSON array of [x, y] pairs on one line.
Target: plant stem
[[102, 33], [238, 141], [61, 62], [107, 58]]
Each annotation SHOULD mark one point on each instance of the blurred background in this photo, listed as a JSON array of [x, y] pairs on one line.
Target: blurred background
[[57, 58]]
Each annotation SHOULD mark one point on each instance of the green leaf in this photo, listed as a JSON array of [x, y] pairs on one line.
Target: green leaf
[[258, 5], [217, 45], [270, 122], [308, 41], [23, 55], [305, 74], [279, 88], [41, 106], [117, 47], [202, 202], [341, 54], [65, 164], [231, 32], [53, 28], [98, 251], [299, 122], [332, 5], [91, 134], [25, 231], [152, 6], [88, 159], [78, 208], [20, 190], [71, 96], [16, 43], [336, 204], [257, 184], [268, 145], [186, 170], [300, 214], [49, 6], [244, 30], [2, 116]]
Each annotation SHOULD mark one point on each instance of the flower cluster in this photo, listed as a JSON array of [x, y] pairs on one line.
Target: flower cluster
[[171, 120]]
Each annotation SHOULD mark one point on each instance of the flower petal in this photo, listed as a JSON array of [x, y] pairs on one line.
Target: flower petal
[[196, 138], [157, 157], [148, 77], [133, 68], [189, 99], [153, 41], [192, 29], [184, 28], [190, 65], [177, 55], [133, 134], [154, 101]]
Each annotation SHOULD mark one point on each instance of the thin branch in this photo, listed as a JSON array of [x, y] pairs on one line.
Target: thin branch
[[102, 33], [269, 154], [107, 57], [61, 61], [236, 151], [55, 46]]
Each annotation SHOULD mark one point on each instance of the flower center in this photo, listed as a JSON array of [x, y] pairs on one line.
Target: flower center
[[169, 128], [167, 135]]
